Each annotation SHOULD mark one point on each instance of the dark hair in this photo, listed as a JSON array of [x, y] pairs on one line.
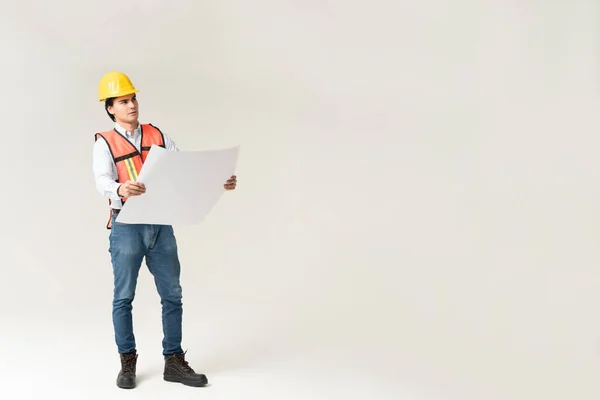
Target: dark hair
[[108, 103]]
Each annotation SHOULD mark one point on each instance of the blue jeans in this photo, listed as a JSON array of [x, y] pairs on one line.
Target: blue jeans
[[129, 244]]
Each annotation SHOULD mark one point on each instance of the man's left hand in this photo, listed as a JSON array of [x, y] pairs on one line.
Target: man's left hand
[[231, 183]]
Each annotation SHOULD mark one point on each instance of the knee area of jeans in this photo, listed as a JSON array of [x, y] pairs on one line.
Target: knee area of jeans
[[122, 305], [123, 298], [172, 294]]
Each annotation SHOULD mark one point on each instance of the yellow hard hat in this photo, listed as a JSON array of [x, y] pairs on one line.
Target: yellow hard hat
[[115, 84]]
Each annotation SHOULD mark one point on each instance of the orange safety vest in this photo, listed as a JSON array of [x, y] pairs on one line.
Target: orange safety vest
[[126, 157]]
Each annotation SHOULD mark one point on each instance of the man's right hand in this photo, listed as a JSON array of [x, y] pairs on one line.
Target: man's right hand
[[131, 188]]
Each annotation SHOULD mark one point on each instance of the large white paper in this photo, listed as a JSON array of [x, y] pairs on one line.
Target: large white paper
[[181, 186]]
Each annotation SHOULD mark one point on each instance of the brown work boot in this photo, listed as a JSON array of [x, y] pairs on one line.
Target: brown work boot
[[126, 378], [178, 370]]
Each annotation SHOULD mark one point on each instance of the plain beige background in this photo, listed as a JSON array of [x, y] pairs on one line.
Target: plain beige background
[[417, 213]]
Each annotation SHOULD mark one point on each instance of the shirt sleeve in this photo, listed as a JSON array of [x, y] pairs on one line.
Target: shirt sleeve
[[105, 173], [170, 143]]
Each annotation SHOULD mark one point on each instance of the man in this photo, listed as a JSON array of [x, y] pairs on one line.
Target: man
[[117, 159]]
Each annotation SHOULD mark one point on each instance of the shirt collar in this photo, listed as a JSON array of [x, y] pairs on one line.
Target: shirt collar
[[122, 130]]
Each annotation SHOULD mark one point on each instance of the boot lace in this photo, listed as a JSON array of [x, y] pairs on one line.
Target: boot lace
[[184, 364], [128, 364]]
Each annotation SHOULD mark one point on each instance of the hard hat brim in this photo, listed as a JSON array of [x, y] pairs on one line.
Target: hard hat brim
[[125, 93]]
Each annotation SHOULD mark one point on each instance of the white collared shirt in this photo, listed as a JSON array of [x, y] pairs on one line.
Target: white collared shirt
[[105, 170]]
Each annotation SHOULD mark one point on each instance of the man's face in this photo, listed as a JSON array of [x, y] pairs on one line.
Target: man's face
[[125, 109]]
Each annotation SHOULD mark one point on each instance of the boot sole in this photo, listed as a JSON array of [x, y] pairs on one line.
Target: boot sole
[[179, 379]]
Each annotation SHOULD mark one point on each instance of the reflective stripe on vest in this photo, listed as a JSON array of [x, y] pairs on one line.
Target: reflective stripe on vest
[[127, 159]]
